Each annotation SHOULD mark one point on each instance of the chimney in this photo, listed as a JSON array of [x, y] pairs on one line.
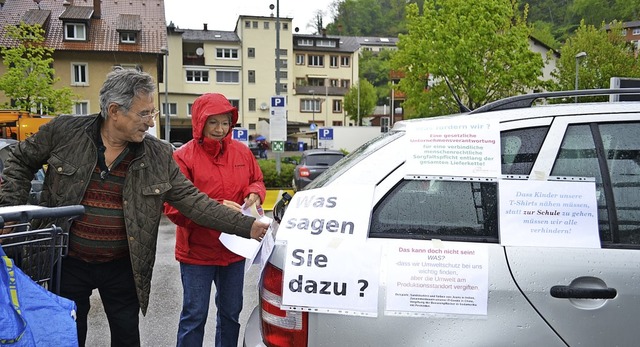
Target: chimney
[[97, 11], [205, 26]]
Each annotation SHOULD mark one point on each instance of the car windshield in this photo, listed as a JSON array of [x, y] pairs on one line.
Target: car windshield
[[353, 158]]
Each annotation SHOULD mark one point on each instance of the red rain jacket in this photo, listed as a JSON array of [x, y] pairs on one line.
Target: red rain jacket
[[224, 170]]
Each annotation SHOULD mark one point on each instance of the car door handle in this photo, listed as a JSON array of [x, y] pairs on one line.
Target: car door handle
[[568, 292]]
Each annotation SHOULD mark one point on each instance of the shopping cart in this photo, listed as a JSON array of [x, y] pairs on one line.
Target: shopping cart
[[37, 252]]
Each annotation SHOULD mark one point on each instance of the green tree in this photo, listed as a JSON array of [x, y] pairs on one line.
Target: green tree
[[367, 97], [608, 55], [29, 76], [375, 68], [481, 47]]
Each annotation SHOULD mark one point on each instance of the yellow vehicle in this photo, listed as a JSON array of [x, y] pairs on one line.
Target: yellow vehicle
[[19, 125]]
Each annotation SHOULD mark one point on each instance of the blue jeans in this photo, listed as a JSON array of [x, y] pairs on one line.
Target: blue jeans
[[196, 294]]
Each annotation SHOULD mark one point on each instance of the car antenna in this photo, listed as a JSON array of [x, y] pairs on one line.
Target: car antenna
[[463, 108]]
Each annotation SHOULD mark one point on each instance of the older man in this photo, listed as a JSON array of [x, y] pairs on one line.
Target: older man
[[107, 163]]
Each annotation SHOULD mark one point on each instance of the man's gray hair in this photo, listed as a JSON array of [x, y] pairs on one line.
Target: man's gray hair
[[122, 86]]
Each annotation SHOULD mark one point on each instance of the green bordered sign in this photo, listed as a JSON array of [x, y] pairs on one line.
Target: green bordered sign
[[277, 146]]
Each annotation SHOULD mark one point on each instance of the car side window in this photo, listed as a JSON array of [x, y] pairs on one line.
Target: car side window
[[589, 150], [441, 209], [520, 149], [622, 149]]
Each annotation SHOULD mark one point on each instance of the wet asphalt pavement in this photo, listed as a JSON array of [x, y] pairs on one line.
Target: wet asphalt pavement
[[159, 327]]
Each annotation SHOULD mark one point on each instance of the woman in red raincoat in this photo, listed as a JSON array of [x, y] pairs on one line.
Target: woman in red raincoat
[[226, 170]]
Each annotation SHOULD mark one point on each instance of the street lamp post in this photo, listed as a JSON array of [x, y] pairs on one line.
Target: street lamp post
[[578, 56], [313, 108], [167, 121], [278, 166]]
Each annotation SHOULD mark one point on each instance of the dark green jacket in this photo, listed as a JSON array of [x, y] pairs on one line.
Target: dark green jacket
[[67, 144]]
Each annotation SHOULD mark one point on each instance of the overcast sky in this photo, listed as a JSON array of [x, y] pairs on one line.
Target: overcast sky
[[223, 14]]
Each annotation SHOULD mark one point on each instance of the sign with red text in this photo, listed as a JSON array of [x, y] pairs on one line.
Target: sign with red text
[[328, 212], [548, 214], [436, 277], [336, 276], [454, 147]]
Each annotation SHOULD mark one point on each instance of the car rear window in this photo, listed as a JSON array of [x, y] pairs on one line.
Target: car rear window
[[448, 210], [323, 159]]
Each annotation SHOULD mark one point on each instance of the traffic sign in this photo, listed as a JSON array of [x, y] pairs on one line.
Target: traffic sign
[[325, 137], [241, 134], [278, 119], [277, 146]]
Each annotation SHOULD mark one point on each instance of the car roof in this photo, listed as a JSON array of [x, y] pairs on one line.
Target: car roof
[[317, 151], [539, 111]]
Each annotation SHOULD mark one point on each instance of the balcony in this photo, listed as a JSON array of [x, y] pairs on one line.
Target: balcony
[[320, 90]]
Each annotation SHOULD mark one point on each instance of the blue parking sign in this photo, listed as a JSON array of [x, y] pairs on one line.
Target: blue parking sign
[[240, 134], [325, 134]]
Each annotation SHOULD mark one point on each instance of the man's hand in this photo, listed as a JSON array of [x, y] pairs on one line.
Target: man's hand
[[232, 205], [258, 230]]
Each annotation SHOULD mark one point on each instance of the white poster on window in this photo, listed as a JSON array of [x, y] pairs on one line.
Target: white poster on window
[[338, 276], [426, 277], [548, 214], [454, 147], [328, 212]]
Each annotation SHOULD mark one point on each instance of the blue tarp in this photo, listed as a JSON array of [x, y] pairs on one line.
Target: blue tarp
[[30, 315]]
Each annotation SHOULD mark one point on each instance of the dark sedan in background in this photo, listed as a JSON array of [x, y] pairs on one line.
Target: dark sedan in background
[[313, 162]]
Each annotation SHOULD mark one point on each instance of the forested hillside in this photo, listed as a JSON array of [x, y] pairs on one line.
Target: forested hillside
[[552, 20]]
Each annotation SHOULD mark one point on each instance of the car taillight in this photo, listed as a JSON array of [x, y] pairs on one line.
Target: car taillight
[[304, 172], [280, 328]]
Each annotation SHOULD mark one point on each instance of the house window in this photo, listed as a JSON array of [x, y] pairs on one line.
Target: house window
[[282, 52], [252, 126], [305, 42], [252, 76], [316, 60], [198, 76], [345, 60], [284, 64], [79, 73], [189, 107], [636, 31], [333, 61], [255, 24], [337, 106], [299, 59], [226, 53], [235, 103], [252, 104], [81, 107], [173, 108], [228, 77], [285, 26], [247, 24], [345, 84], [266, 25], [251, 52], [310, 105], [283, 87], [325, 43], [75, 31], [334, 82], [128, 37], [283, 75]]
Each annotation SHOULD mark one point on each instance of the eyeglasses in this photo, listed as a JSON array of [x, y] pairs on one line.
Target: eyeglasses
[[147, 115]]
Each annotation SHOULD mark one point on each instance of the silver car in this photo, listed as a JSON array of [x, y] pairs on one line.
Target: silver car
[[554, 267]]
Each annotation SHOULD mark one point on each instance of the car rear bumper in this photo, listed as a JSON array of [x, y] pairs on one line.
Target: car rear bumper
[[253, 331]]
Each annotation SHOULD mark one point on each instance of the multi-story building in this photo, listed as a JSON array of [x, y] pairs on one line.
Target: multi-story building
[[314, 73], [89, 38]]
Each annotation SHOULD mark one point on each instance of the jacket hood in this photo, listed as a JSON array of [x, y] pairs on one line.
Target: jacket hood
[[210, 104]]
